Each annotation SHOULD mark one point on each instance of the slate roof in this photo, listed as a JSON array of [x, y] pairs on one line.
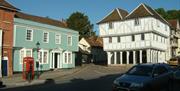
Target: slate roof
[[5, 5], [116, 15], [173, 23], [39, 19], [95, 41], [144, 10]]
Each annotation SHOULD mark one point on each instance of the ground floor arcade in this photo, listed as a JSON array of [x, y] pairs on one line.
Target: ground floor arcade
[[135, 56]]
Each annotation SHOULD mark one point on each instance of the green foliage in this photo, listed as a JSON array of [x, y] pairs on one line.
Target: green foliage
[[169, 14], [80, 22]]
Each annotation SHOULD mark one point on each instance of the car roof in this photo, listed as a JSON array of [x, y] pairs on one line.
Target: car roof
[[153, 64]]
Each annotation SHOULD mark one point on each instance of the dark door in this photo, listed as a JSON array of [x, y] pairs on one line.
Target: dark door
[[4, 68], [55, 60]]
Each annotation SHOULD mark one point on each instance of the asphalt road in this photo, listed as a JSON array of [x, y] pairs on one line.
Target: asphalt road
[[93, 78]]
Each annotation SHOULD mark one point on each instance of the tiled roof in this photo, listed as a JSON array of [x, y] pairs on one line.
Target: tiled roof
[[4, 4], [144, 10], [116, 15], [39, 19], [173, 23], [95, 41]]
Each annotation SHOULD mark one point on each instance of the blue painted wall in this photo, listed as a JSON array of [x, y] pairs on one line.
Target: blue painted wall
[[20, 41]]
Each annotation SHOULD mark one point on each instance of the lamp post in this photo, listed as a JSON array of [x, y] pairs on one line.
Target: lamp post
[[37, 62]]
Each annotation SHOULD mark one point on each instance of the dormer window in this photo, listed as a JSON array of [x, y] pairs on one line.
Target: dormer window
[[111, 26], [136, 21]]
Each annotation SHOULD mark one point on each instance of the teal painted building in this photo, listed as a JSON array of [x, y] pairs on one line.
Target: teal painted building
[[58, 44]]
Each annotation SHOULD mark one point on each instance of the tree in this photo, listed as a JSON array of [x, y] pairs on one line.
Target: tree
[[169, 14], [162, 12], [80, 22]]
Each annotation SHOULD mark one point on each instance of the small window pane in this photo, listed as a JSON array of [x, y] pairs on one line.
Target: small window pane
[[111, 25], [69, 57], [29, 35], [142, 36], [133, 38], [45, 57], [119, 39], [110, 39]]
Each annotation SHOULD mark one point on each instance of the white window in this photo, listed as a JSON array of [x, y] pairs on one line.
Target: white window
[[45, 37], [29, 34], [25, 53], [69, 40], [58, 39], [43, 56], [136, 21], [68, 57]]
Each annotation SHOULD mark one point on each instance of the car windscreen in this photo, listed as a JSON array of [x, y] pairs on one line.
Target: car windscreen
[[140, 71]]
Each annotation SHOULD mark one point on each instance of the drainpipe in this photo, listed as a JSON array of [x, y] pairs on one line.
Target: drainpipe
[[0, 52]]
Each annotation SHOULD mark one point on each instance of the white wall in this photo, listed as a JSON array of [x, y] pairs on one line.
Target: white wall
[[149, 26]]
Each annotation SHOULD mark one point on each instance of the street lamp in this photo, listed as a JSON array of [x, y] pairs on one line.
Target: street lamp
[[37, 62]]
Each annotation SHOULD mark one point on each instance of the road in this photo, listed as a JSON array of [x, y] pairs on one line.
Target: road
[[92, 78]]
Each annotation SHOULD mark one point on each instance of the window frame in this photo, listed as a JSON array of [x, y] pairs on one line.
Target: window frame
[[110, 39], [136, 21], [41, 52], [110, 25], [24, 55], [66, 57], [143, 36], [133, 38], [118, 39], [70, 40], [59, 42], [46, 38], [31, 34]]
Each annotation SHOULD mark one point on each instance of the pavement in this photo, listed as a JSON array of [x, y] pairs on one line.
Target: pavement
[[17, 81]]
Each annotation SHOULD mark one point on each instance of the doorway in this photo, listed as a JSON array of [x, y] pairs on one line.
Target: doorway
[[55, 60]]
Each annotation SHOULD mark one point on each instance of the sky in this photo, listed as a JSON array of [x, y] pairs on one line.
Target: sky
[[94, 9]]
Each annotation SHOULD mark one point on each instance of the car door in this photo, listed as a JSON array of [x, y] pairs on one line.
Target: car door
[[160, 77]]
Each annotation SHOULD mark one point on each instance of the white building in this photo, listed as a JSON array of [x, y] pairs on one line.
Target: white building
[[142, 36]]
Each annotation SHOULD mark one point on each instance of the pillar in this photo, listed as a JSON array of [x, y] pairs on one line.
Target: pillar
[[134, 57], [50, 62], [148, 55], [127, 52], [53, 60], [115, 57], [120, 57], [109, 57], [140, 54]]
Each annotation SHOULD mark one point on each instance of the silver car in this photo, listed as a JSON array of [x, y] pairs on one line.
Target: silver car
[[145, 77]]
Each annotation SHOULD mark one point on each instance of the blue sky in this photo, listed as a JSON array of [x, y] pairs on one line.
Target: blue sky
[[95, 9]]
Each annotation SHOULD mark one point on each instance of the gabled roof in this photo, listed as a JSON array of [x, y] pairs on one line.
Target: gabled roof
[[95, 41], [115, 15], [144, 10], [5, 5], [174, 23], [39, 19]]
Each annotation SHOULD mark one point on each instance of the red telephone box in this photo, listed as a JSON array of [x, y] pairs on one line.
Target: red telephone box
[[28, 68]]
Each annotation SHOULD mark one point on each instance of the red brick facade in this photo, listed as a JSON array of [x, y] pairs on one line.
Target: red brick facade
[[6, 25]]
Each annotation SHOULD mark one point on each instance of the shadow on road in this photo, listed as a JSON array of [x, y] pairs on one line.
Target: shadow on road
[[103, 83], [100, 84]]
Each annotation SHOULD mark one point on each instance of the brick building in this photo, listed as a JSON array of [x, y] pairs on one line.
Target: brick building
[[7, 12]]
